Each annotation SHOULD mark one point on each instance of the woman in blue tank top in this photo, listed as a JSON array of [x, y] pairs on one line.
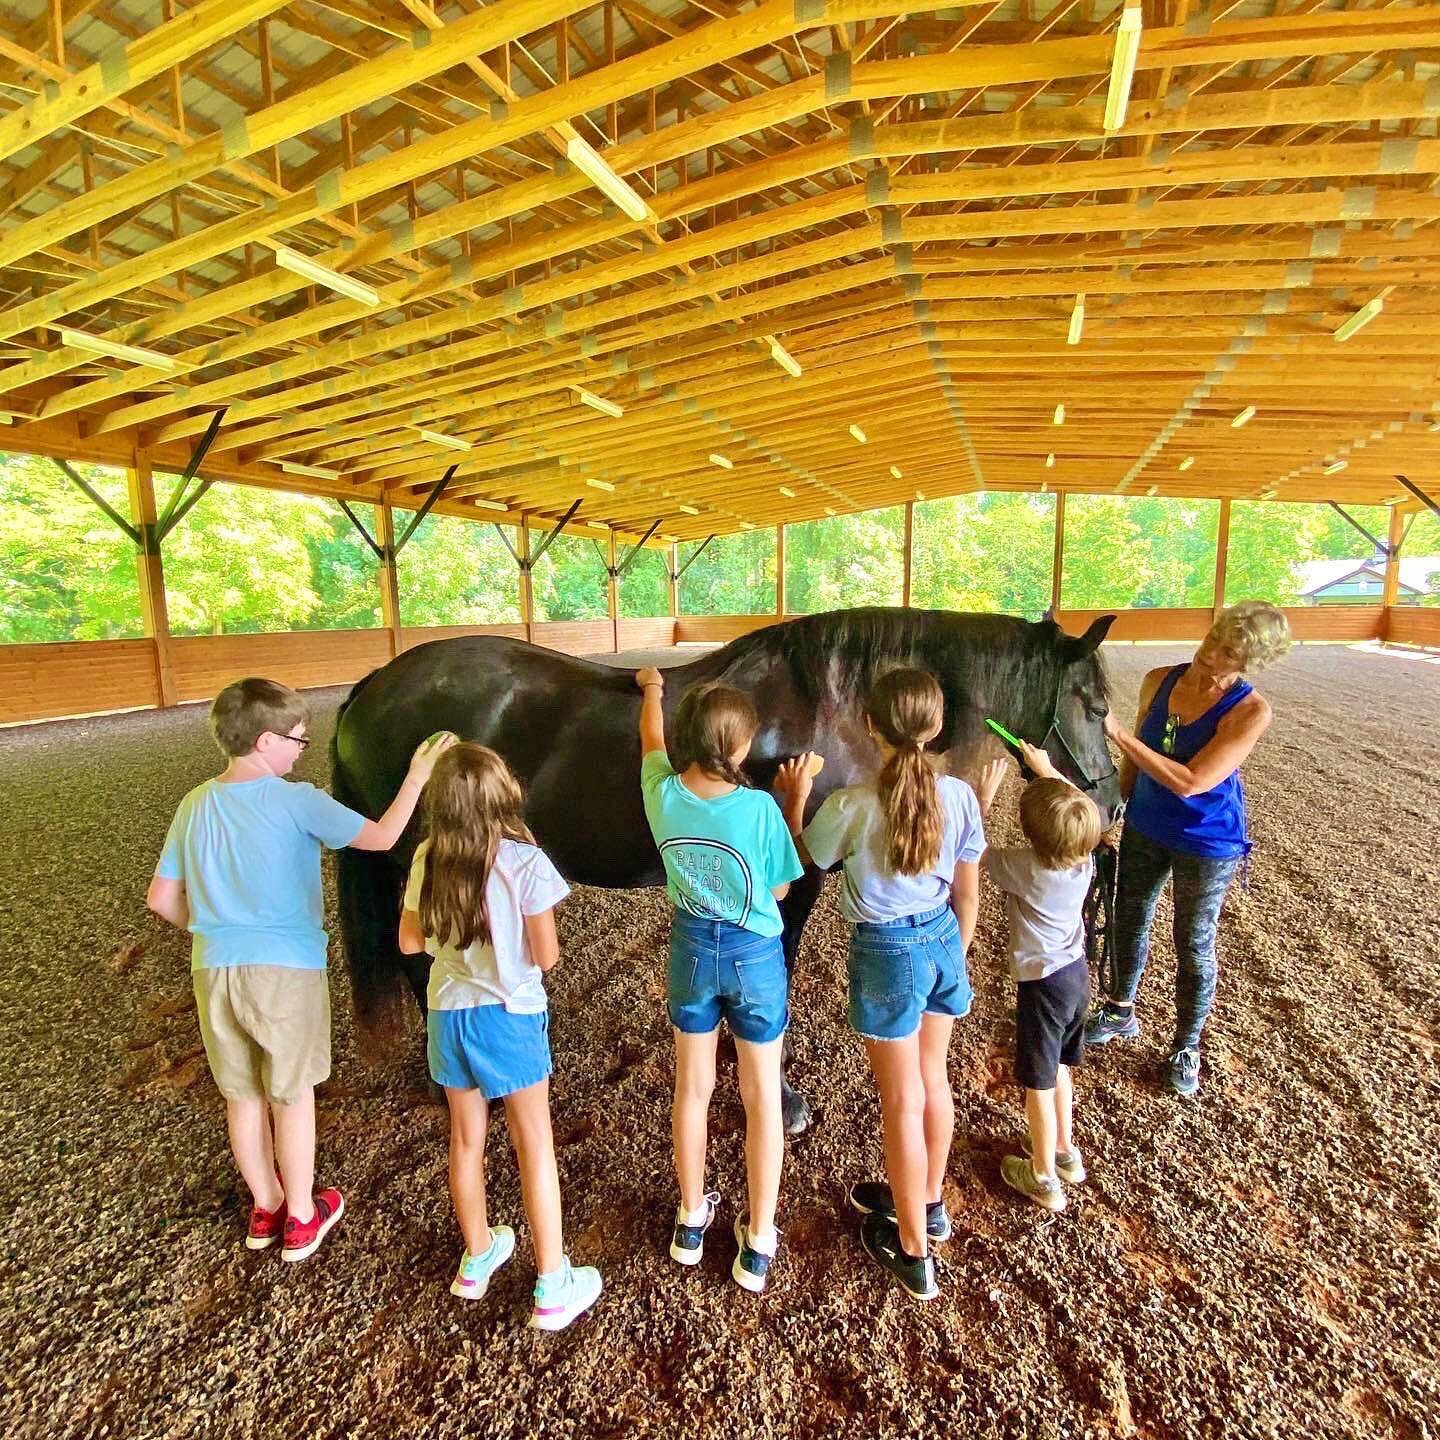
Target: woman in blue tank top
[[1186, 816]]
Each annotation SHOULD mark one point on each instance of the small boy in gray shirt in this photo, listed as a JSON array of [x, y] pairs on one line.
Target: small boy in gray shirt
[[1045, 887]]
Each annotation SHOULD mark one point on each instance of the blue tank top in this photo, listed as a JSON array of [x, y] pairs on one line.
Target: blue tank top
[[1211, 824]]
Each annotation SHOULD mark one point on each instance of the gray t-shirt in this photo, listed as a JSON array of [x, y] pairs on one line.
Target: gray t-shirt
[[1045, 909], [850, 826]]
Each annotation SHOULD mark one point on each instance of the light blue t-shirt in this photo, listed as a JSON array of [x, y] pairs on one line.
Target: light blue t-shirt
[[722, 856], [249, 854]]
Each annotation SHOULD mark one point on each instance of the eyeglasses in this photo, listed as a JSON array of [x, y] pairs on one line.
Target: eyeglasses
[[301, 740]]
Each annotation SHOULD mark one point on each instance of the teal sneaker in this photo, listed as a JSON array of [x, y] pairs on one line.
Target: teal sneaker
[[472, 1279], [1111, 1022], [560, 1297], [1182, 1073], [751, 1267]]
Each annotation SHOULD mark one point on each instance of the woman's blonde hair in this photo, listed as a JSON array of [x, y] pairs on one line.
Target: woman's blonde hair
[[712, 722], [472, 803], [1255, 629], [905, 707], [1061, 824]]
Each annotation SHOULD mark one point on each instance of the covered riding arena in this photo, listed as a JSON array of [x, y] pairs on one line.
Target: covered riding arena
[[331, 328]]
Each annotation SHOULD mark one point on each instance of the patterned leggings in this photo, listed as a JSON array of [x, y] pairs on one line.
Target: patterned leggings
[[1200, 886]]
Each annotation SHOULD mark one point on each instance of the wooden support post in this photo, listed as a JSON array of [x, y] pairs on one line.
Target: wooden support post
[[905, 584], [674, 583], [780, 571], [1222, 554], [1057, 563], [1390, 591], [612, 592], [389, 578], [150, 570], [527, 590]]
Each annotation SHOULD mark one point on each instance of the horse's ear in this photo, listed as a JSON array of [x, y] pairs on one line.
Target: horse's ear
[[1049, 614], [1081, 647]]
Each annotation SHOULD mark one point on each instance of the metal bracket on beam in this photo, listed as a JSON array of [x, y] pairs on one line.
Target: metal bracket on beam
[[676, 576], [180, 504], [550, 539], [365, 535], [1380, 545], [634, 552], [436, 491], [1420, 495]]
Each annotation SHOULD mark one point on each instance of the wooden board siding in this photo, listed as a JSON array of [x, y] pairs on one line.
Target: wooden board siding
[[1409, 625], [647, 634], [83, 677], [576, 637], [411, 636], [205, 664], [1157, 624], [1335, 622], [718, 628]]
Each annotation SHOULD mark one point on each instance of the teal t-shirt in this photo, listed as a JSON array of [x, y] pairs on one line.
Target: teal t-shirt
[[249, 854], [723, 856]]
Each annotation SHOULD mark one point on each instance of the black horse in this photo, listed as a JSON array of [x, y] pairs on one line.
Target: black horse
[[568, 728]]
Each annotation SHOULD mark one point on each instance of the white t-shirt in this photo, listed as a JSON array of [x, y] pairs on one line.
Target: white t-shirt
[[500, 972], [850, 826], [1046, 910]]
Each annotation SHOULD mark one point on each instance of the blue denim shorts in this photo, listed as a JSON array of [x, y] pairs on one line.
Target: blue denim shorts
[[719, 971], [903, 969], [486, 1048]]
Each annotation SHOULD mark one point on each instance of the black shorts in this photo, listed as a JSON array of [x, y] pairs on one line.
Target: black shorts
[[1050, 1024]]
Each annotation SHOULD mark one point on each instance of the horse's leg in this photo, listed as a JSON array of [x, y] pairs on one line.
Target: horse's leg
[[795, 910]]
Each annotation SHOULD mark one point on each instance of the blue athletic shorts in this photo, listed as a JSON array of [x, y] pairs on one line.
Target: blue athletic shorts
[[486, 1048], [719, 971], [903, 969]]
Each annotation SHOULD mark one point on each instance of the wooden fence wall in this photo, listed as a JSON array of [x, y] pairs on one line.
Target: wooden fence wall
[[40, 682]]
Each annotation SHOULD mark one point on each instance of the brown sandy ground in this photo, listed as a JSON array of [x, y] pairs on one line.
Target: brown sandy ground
[[1262, 1261]]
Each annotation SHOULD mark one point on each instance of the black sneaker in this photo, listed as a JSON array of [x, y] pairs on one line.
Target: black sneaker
[[687, 1244], [882, 1242], [874, 1197], [752, 1267]]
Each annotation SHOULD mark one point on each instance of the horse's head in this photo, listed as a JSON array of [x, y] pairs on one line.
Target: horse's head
[[1076, 738]]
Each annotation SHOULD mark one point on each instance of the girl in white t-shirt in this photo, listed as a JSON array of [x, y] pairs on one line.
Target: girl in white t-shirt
[[480, 881], [910, 841]]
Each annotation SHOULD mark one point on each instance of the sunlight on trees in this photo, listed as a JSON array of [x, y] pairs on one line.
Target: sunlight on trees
[[645, 586], [735, 575], [984, 552], [846, 560], [455, 572]]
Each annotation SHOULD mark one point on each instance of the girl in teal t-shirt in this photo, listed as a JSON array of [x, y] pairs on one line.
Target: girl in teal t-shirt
[[728, 858]]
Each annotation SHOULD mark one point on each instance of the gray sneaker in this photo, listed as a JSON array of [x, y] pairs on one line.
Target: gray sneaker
[[1182, 1074], [1070, 1168], [1111, 1022], [1019, 1175]]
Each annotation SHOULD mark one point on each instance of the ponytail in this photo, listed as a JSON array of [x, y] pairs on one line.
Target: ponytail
[[906, 707], [712, 722]]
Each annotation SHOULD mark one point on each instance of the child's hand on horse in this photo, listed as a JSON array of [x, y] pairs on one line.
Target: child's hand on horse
[[428, 752], [649, 676], [796, 778], [1039, 762]]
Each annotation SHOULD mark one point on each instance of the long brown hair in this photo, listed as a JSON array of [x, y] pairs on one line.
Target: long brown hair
[[905, 707], [472, 803], [712, 722]]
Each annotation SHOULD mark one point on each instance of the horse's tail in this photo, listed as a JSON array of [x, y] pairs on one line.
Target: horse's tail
[[370, 885]]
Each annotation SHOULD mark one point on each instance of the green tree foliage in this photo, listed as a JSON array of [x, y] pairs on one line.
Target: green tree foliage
[[569, 583], [455, 572], [1269, 543], [1122, 553], [645, 586], [66, 571], [734, 575], [246, 560], [845, 560], [984, 553]]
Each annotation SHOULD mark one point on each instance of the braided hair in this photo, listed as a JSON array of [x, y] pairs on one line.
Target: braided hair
[[712, 722]]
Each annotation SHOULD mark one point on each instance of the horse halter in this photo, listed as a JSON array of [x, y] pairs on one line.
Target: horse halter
[[1081, 777]]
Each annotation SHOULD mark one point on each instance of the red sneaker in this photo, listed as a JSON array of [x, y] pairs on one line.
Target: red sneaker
[[303, 1237], [266, 1227]]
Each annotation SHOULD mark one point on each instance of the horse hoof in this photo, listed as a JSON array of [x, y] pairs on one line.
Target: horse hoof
[[796, 1113]]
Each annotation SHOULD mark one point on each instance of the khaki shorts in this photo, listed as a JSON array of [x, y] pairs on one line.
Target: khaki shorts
[[266, 1029]]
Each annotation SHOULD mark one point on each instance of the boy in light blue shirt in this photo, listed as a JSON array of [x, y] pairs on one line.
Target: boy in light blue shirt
[[241, 871], [728, 858]]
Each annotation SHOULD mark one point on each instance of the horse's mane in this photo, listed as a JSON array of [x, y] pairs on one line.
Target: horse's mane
[[971, 653]]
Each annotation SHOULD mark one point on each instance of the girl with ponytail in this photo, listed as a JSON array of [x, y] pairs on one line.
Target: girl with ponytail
[[910, 840], [728, 858]]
